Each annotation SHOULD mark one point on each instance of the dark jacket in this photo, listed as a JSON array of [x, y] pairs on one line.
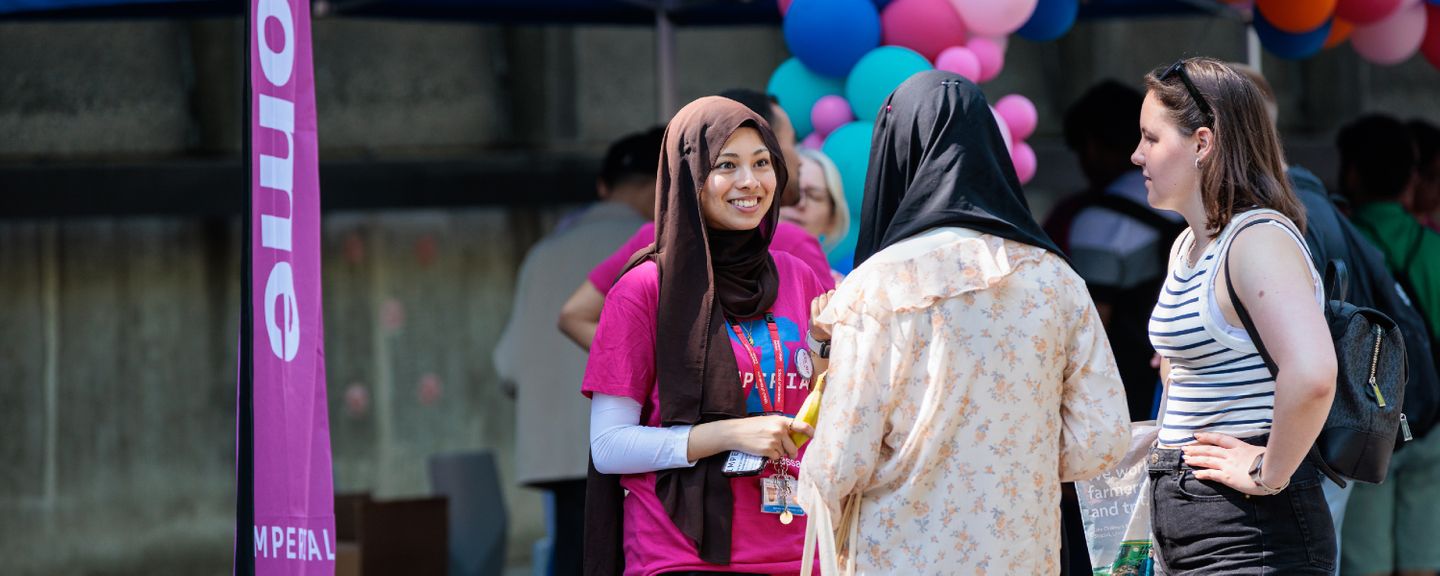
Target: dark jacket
[[1332, 236]]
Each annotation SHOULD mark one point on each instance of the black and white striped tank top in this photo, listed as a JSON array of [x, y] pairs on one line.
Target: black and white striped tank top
[[1218, 381]]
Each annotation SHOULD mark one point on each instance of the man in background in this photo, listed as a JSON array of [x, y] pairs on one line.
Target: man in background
[[552, 423], [1391, 528], [1116, 241]]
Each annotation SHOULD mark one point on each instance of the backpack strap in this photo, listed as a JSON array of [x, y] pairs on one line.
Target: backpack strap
[[1337, 280], [1314, 455]]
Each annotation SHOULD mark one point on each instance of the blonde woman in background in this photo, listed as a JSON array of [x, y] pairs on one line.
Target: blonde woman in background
[[822, 210]]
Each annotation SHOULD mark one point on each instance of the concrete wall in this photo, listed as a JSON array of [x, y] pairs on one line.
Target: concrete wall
[[117, 335], [117, 341]]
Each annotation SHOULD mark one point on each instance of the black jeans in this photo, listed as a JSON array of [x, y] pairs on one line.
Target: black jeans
[[1204, 527]]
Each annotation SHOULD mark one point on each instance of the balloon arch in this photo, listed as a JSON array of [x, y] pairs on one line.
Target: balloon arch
[[848, 55]]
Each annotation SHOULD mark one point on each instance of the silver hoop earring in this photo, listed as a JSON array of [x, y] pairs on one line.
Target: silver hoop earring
[[1197, 162]]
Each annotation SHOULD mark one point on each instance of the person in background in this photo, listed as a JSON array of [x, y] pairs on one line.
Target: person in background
[[1233, 491], [1424, 200], [1116, 241], [581, 312], [539, 368], [822, 210], [1377, 175], [701, 351], [969, 373], [1392, 527]]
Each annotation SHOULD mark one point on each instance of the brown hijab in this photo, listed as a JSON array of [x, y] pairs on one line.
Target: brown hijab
[[705, 275]]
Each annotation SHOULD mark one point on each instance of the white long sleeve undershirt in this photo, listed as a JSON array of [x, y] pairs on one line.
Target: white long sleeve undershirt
[[620, 445]]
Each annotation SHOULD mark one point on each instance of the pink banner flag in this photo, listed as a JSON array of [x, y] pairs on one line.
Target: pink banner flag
[[289, 527]]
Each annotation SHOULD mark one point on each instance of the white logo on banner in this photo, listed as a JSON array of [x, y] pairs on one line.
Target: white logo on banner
[[276, 65], [278, 173]]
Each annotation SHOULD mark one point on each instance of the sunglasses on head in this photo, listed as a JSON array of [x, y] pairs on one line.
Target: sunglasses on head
[[1178, 69]]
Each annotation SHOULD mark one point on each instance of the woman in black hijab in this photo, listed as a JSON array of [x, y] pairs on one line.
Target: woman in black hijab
[[969, 374], [700, 356]]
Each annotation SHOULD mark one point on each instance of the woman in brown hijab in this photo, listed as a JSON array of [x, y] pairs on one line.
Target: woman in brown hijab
[[699, 359]]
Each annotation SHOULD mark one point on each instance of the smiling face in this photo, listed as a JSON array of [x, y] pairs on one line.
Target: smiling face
[[815, 212], [741, 186], [1167, 158]]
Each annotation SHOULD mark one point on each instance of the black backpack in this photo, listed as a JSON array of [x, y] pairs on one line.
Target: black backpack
[[1359, 434], [1395, 296]]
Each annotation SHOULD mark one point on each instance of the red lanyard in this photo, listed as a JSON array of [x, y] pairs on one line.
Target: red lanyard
[[779, 404]]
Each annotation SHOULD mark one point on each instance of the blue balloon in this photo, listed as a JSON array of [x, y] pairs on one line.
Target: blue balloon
[[1051, 20], [843, 263], [830, 36], [1287, 45], [849, 147], [798, 88], [877, 75]]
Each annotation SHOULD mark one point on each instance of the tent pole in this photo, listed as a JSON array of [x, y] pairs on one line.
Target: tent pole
[[664, 64], [1252, 48]]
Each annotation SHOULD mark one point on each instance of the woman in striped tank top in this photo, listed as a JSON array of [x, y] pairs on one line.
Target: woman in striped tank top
[[1233, 493]]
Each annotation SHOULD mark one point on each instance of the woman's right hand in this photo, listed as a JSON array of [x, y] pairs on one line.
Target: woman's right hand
[[767, 436]]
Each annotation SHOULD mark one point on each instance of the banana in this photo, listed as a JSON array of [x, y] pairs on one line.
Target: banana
[[809, 410]]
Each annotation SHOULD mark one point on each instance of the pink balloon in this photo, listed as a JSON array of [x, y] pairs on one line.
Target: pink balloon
[[991, 56], [1004, 131], [994, 17], [814, 141], [1023, 157], [1002, 41], [960, 60], [925, 26], [1392, 40], [1362, 12], [830, 112], [1019, 114]]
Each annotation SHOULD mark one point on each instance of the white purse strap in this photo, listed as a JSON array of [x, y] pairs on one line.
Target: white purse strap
[[820, 532]]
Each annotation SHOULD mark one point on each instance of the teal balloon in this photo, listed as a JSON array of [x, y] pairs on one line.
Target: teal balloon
[[878, 74], [849, 147], [798, 88]]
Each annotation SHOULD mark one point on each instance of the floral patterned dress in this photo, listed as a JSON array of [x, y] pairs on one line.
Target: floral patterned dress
[[969, 376]]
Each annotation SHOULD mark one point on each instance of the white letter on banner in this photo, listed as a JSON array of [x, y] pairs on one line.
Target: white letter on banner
[[276, 65], [314, 548], [260, 541], [289, 542], [281, 285], [277, 539], [329, 552], [278, 173]]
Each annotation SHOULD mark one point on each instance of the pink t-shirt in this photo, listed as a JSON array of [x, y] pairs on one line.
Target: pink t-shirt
[[622, 363], [789, 238]]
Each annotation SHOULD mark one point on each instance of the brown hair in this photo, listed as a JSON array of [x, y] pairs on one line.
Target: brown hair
[[1247, 166]]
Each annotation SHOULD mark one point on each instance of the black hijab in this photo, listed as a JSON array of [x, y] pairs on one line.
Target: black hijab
[[705, 275], [937, 159]]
